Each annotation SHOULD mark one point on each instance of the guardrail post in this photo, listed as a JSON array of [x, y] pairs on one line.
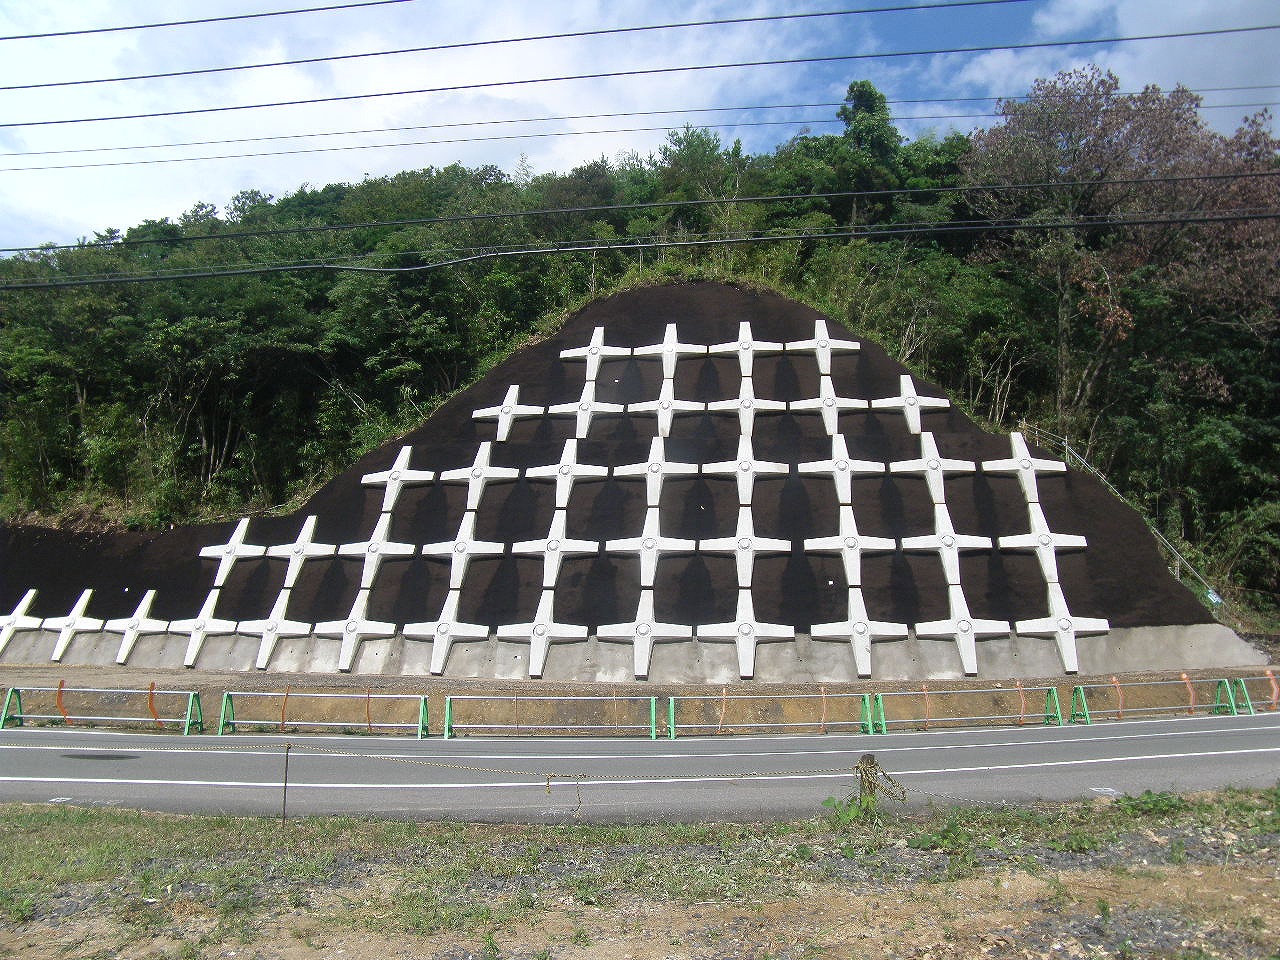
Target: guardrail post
[[422, 718], [653, 718], [1080, 706], [12, 698], [873, 721], [448, 717], [671, 718], [227, 717], [1224, 701], [1052, 708], [195, 714], [1243, 702]]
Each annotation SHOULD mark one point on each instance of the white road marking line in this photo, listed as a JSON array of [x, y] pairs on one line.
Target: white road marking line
[[538, 780]]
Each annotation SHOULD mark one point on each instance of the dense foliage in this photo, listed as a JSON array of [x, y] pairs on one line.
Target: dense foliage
[[1152, 346]]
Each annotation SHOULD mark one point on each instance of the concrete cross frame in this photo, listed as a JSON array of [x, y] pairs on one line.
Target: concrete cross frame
[[541, 632], [822, 345], [140, 624], [272, 627], [73, 623], [1062, 627], [666, 406], [443, 630], [851, 545], [841, 468], [375, 550], [1024, 466], [745, 404], [744, 545], [655, 469], [301, 550], [508, 411], [946, 543], [18, 620], [354, 630], [745, 631], [584, 409], [200, 626], [910, 403], [860, 630], [962, 627], [744, 348], [744, 468], [462, 548], [554, 547], [478, 475], [228, 553], [565, 472], [396, 477], [593, 353], [670, 350], [643, 633], [829, 404], [650, 545], [932, 466], [1043, 542]]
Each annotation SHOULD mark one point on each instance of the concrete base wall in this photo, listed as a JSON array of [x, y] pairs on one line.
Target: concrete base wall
[[803, 660]]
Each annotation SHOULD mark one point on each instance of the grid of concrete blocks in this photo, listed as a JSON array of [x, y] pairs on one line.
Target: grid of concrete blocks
[[859, 628]]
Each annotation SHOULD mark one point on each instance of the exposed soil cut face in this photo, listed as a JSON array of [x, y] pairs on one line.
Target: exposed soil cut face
[[1120, 576]]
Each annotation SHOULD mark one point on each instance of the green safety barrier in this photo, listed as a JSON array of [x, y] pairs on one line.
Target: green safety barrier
[[1080, 706], [1224, 700], [1052, 708], [195, 714], [1243, 701], [227, 717], [13, 696], [873, 721]]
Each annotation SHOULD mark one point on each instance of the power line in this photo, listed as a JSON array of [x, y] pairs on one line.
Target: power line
[[577, 34], [631, 113], [1176, 218], [544, 135], [184, 23], [650, 71]]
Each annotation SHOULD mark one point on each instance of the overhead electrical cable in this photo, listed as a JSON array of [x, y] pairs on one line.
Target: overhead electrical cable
[[648, 71], [543, 135], [596, 246], [601, 116], [577, 34], [652, 205], [187, 23]]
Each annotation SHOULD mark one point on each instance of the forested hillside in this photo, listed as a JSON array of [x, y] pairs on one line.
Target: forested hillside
[[1101, 265]]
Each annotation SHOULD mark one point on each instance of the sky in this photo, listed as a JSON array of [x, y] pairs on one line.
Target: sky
[[99, 185]]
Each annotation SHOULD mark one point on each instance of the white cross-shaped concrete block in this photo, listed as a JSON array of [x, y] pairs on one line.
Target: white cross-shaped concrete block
[[665, 406], [354, 630], [932, 466], [841, 468], [18, 620], [746, 631], [1063, 627], [744, 468], [584, 409], [443, 630], [671, 350], [822, 346], [910, 403], [555, 546], [746, 404], [654, 469], [860, 630], [829, 404], [73, 623], [1024, 466], [140, 624], [541, 632], [746, 347], [643, 632], [851, 545], [651, 544], [274, 626], [565, 472], [744, 545], [300, 551], [396, 477], [462, 548], [946, 542], [593, 353], [228, 553], [200, 626], [506, 412], [963, 628], [1043, 542], [478, 475], [375, 550]]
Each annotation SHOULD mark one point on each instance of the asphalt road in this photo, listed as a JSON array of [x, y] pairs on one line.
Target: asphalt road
[[718, 778]]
